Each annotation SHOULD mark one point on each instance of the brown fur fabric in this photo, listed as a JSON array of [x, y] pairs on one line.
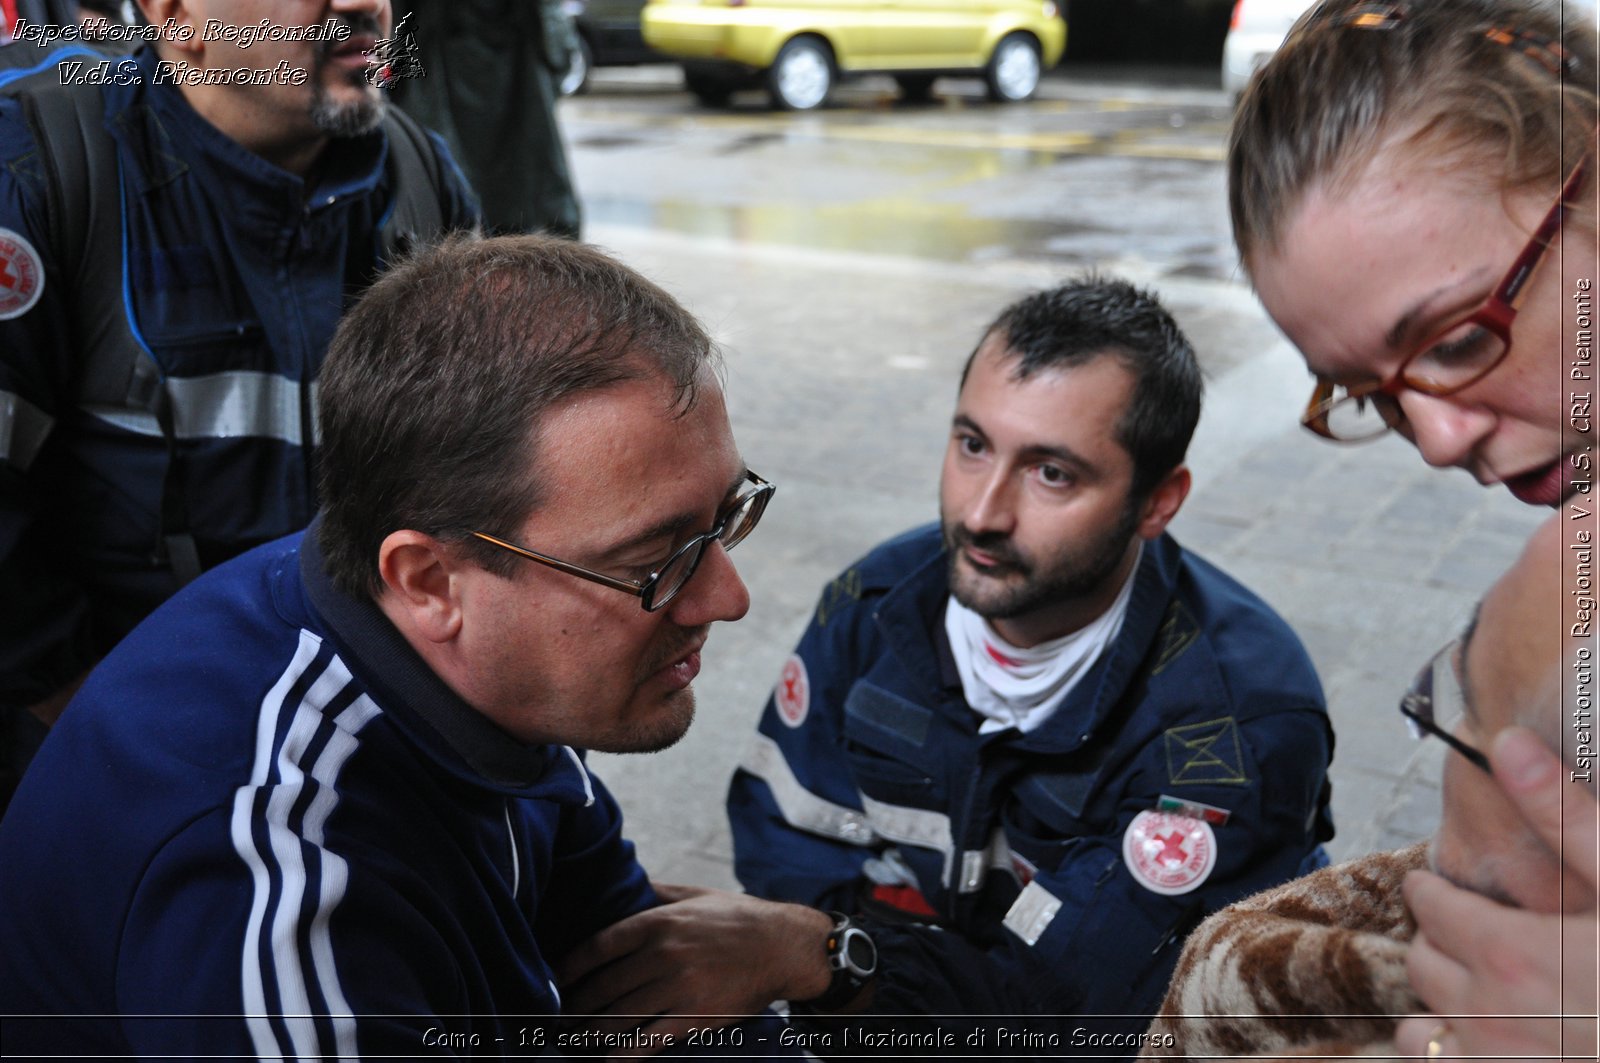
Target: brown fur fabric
[[1315, 966]]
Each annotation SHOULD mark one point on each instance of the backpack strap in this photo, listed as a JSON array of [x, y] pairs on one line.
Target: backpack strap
[[84, 209], [66, 127], [417, 187], [83, 200]]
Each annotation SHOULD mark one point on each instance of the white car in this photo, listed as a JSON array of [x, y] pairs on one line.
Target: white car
[[1257, 29]]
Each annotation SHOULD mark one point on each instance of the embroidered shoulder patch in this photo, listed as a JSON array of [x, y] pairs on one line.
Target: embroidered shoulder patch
[[1178, 631], [792, 695], [840, 593], [21, 275], [1205, 754]]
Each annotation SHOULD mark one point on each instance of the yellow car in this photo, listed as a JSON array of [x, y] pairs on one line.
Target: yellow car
[[799, 48]]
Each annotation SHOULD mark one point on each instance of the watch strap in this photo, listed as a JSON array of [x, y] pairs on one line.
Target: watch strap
[[847, 979]]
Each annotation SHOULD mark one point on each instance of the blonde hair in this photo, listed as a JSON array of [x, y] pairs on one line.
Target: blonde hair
[[1507, 86]]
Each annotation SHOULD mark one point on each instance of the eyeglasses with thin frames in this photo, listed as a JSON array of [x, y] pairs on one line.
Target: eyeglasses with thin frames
[[1436, 695], [1452, 360], [662, 585]]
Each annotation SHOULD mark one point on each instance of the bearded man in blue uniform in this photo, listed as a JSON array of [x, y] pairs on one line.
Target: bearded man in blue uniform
[[1025, 750]]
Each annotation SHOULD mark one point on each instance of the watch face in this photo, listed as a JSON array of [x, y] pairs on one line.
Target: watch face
[[860, 954]]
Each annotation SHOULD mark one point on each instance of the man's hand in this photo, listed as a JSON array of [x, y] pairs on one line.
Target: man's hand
[[1473, 957], [703, 958]]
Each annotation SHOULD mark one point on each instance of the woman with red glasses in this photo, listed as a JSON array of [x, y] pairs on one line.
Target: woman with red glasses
[[1413, 191]]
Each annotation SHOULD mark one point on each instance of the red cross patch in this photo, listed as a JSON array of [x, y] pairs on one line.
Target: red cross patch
[[21, 275], [1168, 853], [793, 692]]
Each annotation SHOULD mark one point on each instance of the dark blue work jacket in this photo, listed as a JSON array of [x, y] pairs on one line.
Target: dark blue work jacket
[[1016, 842], [233, 276]]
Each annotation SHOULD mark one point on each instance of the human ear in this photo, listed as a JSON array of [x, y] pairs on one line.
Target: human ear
[[418, 573], [1163, 503]]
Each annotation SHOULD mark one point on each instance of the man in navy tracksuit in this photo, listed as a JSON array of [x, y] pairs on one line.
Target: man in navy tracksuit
[[158, 368], [1025, 751], [330, 799]]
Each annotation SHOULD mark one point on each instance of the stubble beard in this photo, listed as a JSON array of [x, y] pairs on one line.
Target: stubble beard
[[659, 733], [667, 723], [345, 118], [1070, 574]]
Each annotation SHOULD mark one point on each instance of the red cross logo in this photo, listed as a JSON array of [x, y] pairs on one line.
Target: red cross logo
[[1169, 853], [793, 693], [21, 275], [1172, 851]]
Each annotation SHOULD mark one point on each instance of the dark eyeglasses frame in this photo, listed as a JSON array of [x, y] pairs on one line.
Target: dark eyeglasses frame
[[1495, 315], [645, 589], [1417, 706]]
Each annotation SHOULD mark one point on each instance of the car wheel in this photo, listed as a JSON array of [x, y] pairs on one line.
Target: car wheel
[[1014, 68], [799, 79], [577, 76], [915, 87], [707, 88]]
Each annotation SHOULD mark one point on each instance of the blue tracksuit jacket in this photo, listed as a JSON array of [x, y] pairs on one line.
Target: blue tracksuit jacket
[[265, 828], [1206, 697]]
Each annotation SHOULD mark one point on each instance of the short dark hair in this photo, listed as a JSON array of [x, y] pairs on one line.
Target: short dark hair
[[1095, 316], [431, 396]]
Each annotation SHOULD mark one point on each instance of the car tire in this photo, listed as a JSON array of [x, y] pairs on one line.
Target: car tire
[[916, 88], [802, 75], [576, 79], [709, 89], [1014, 69]]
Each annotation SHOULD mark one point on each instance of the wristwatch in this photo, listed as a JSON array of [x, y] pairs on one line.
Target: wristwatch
[[852, 957]]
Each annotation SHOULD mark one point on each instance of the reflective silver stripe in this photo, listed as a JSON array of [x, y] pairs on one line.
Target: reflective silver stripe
[[1030, 914], [975, 863], [972, 871], [931, 830], [800, 807], [23, 429], [223, 406], [1000, 851], [921, 827], [910, 826], [914, 826]]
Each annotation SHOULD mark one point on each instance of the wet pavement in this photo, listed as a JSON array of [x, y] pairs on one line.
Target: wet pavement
[[1078, 176], [847, 261]]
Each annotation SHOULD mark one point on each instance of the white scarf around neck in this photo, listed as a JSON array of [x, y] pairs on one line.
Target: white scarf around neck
[[1015, 687]]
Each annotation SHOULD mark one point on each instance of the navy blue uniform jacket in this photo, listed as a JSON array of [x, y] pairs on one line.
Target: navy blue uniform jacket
[[1206, 696]]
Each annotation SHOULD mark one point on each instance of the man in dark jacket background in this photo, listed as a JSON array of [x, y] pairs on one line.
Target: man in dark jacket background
[[157, 383]]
